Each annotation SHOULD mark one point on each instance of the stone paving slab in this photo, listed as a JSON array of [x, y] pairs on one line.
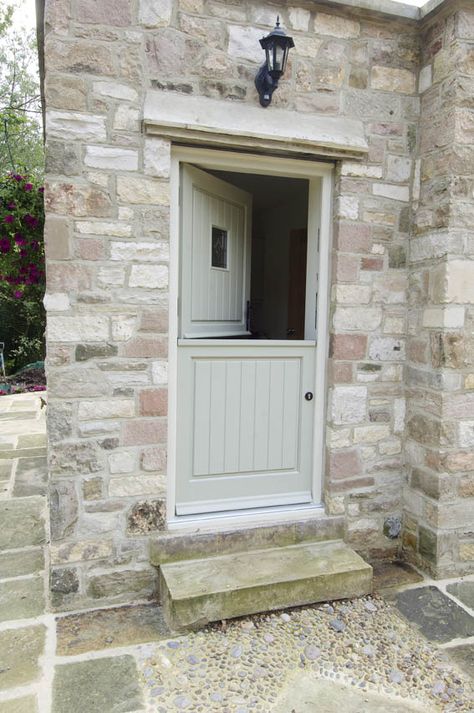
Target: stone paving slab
[[21, 598], [22, 523], [31, 477], [105, 685], [18, 563], [19, 653], [307, 695], [464, 591], [106, 628], [437, 616], [388, 575], [26, 704], [463, 656]]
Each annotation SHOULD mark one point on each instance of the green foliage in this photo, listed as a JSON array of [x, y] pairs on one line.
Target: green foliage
[[22, 275], [21, 140]]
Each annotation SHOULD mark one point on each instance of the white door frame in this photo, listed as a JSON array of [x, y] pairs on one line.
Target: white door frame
[[320, 176]]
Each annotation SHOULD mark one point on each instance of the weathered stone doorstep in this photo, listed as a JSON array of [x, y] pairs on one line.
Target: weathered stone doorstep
[[172, 547], [195, 592]]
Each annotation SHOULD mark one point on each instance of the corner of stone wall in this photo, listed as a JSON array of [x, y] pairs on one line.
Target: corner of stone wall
[[439, 497]]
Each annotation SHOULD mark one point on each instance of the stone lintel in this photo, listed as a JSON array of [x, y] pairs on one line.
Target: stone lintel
[[215, 122]]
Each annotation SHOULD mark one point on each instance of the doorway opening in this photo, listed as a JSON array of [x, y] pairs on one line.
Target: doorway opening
[[276, 309], [247, 373]]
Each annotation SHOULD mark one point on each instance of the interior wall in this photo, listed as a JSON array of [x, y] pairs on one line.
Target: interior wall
[[280, 205]]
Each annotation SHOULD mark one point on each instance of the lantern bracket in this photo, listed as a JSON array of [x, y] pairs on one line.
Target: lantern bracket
[[265, 85]]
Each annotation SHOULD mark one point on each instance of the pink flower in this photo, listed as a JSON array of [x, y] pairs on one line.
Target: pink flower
[[20, 239], [18, 294], [4, 245], [11, 205], [28, 187], [9, 218], [41, 189]]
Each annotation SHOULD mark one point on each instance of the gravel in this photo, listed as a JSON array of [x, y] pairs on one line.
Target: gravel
[[239, 667]]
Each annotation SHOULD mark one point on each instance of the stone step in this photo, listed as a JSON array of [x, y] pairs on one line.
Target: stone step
[[195, 592], [171, 547]]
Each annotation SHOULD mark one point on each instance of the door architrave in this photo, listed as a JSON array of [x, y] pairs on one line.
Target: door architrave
[[320, 177]]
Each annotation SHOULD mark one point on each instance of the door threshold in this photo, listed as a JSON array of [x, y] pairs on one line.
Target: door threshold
[[234, 520]]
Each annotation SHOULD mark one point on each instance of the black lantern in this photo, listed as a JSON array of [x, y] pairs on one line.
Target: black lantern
[[276, 45]]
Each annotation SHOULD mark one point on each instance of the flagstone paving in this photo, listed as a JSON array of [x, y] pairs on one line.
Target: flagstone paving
[[408, 648]]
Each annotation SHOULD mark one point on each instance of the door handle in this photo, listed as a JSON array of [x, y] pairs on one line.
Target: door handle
[[309, 396]]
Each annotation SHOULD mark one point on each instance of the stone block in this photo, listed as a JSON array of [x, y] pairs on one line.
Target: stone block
[[154, 402], [80, 551], [398, 169], [138, 582], [344, 464], [154, 13], [352, 294], [147, 516], [77, 200], [159, 372], [21, 599], [136, 486], [62, 159], [63, 509], [349, 404], [360, 170], [356, 319], [57, 238], [104, 684], [107, 12], [107, 229], [336, 26], [143, 432], [92, 489], [115, 90], [149, 276], [447, 350], [112, 408], [391, 79], [197, 591], [139, 251], [121, 462], [396, 193], [348, 207], [371, 434], [75, 126], [22, 523], [450, 317], [425, 78], [79, 57], [135, 190], [109, 628], [299, 18], [348, 346], [65, 92], [157, 157], [113, 158], [74, 458], [77, 328], [144, 347], [84, 352], [244, 43], [20, 650], [153, 459], [387, 349], [126, 118]]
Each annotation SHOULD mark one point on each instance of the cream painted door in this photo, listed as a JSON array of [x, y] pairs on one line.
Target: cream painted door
[[244, 426], [215, 256]]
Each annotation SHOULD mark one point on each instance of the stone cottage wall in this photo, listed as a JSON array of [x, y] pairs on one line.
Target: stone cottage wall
[[107, 203], [439, 511]]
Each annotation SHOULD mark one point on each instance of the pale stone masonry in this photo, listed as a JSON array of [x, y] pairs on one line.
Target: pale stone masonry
[[400, 419]]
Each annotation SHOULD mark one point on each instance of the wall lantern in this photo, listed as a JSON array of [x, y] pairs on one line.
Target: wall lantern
[[276, 45]]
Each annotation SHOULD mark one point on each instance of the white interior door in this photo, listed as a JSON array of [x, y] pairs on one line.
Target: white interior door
[[244, 426], [215, 277]]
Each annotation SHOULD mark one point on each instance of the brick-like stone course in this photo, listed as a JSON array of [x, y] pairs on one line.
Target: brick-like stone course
[[401, 267]]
